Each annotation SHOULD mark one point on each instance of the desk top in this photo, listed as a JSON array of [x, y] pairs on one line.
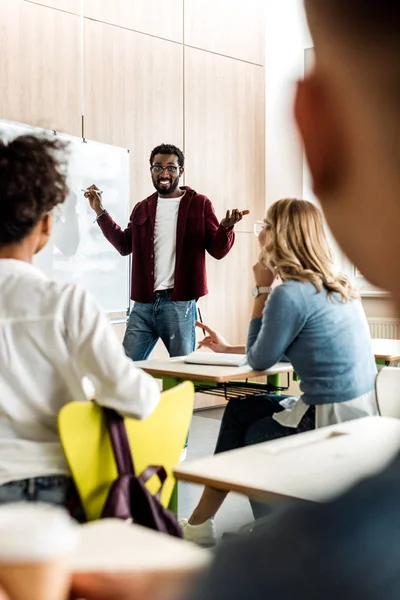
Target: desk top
[[175, 367], [315, 466], [388, 350], [113, 545]]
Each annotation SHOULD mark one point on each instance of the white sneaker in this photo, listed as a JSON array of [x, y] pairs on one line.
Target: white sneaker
[[202, 535]]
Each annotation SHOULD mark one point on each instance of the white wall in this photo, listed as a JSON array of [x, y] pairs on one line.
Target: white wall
[[287, 37]]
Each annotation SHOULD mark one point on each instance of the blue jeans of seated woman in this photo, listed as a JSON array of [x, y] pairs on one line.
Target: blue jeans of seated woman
[[173, 322], [53, 489], [248, 421]]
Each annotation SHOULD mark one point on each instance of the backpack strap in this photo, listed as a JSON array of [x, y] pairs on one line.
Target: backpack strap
[[119, 442], [154, 470]]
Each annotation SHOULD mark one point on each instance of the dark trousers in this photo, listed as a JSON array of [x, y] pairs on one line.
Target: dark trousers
[[249, 421]]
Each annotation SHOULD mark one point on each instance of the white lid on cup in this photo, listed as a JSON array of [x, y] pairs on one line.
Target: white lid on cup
[[33, 532]]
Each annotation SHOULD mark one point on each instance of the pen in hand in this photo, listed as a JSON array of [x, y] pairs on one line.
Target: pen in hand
[[88, 190], [201, 321]]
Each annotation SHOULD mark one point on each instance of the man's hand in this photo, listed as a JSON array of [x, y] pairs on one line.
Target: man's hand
[[93, 194], [231, 218], [214, 340]]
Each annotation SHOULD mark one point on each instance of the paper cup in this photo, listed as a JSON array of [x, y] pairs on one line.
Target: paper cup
[[37, 542]]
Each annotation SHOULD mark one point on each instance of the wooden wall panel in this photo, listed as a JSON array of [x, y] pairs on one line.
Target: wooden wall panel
[[162, 19], [72, 6], [225, 138], [224, 132], [227, 307], [40, 77], [228, 27], [133, 95]]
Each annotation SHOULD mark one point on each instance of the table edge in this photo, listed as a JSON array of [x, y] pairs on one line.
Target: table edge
[[387, 357], [222, 379], [225, 486]]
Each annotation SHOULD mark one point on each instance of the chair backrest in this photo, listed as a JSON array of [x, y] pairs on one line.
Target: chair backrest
[[158, 440], [388, 392]]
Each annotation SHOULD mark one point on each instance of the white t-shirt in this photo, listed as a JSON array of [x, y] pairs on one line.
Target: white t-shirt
[[51, 336], [165, 242]]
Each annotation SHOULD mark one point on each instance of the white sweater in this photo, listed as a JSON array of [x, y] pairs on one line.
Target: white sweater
[[53, 335]]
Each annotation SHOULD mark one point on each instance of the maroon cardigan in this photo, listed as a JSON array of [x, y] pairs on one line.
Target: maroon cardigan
[[198, 230]]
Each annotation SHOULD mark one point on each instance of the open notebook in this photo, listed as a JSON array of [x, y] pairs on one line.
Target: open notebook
[[215, 358]]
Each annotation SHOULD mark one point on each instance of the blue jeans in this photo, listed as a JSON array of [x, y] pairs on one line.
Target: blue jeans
[[173, 322], [52, 489]]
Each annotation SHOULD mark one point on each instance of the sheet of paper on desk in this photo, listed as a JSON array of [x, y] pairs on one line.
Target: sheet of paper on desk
[[217, 359]]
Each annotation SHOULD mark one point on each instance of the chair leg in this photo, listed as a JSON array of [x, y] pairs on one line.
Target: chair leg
[[173, 503], [168, 383]]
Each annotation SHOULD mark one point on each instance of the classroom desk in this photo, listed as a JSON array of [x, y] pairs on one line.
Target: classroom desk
[[386, 351], [113, 545], [174, 370], [314, 466]]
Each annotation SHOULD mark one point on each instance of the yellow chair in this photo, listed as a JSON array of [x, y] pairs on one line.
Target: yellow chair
[[158, 440]]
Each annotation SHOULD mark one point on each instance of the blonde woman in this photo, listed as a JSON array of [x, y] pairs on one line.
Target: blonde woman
[[315, 320]]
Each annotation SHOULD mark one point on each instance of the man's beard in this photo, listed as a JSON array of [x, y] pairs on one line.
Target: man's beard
[[166, 191]]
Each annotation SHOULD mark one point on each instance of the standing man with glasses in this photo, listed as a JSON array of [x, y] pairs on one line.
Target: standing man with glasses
[[168, 235]]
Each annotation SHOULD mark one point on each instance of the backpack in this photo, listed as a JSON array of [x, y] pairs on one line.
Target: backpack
[[128, 497]]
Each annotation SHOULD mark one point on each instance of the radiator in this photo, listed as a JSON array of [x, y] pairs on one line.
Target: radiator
[[388, 329]]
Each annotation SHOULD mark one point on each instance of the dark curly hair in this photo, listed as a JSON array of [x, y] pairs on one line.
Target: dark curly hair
[[32, 183], [168, 149]]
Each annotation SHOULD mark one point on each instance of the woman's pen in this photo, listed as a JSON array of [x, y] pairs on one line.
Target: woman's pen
[[201, 321]]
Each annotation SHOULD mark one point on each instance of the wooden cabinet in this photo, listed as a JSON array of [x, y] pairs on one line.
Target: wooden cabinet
[[72, 6], [40, 76], [154, 17], [229, 27], [224, 133], [133, 95]]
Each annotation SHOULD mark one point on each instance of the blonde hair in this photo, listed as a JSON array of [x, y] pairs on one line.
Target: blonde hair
[[296, 246]]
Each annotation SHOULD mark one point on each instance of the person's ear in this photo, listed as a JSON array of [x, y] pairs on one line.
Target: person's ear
[[181, 171], [47, 225], [44, 229], [321, 135]]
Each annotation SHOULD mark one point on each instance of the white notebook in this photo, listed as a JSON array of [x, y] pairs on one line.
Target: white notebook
[[215, 358]]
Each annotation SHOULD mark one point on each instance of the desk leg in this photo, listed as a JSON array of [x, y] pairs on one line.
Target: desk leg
[[274, 380], [168, 383], [383, 363]]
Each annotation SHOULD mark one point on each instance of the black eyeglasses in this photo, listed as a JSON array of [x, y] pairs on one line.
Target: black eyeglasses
[[157, 169]]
